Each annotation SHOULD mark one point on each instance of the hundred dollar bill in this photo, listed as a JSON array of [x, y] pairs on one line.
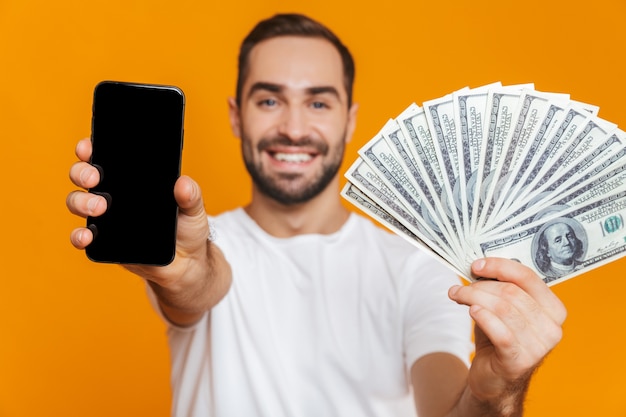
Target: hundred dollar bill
[[537, 153], [603, 173], [568, 242], [400, 147], [607, 177], [591, 108], [361, 175], [571, 162], [595, 131], [530, 153], [469, 111], [355, 196], [415, 128], [378, 154], [594, 164], [534, 106], [569, 123], [441, 122], [502, 104]]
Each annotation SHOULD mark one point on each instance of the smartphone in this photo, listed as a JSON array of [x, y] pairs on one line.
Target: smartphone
[[137, 137]]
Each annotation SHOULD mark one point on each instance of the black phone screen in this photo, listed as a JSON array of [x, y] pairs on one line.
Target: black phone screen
[[137, 137]]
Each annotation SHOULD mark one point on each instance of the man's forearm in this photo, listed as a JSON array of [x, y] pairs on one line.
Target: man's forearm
[[509, 404], [202, 287]]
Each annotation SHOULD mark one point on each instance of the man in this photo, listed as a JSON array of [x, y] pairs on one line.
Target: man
[[559, 250], [297, 307]]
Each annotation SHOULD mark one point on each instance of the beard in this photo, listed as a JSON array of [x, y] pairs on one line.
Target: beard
[[292, 189]]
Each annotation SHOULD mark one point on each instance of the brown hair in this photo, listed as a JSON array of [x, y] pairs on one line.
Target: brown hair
[[292, 25]]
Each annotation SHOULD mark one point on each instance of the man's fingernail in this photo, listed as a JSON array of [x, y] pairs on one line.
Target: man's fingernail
[[86, 175], [79, 237], [92, 204], [479, 264]]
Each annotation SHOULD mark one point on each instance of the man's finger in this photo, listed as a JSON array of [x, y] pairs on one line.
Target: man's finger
[[506, 270], [81, 237], [188, 196], [84, 175], [83, 149], [85, 204]]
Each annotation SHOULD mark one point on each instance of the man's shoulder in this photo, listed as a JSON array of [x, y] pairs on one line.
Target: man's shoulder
[[230, 223]]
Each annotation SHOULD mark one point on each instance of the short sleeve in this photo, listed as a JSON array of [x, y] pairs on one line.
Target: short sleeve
[[433, 322]]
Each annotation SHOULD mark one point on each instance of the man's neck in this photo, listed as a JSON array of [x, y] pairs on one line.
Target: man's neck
[[324, 214]]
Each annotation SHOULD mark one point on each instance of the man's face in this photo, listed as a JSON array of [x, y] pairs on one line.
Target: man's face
[[293, 120], [560, 238]]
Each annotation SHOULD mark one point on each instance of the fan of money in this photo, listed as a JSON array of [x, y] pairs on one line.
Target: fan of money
[[499, 170]]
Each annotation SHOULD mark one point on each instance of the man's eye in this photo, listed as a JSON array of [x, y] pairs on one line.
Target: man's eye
[[319, 105], [268, 102]]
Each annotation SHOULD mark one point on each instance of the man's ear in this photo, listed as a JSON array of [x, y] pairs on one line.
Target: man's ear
[[235, 119], [351, 125]]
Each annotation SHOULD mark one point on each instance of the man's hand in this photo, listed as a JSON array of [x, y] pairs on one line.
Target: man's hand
[[518, 322], [197, 278]]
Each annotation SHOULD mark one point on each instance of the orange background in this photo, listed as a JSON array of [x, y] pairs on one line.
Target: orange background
[[80, 339]]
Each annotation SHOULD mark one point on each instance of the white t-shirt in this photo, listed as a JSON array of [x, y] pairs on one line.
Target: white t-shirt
[[315, 325]]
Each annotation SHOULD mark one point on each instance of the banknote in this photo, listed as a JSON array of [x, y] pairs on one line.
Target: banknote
[[567, 242], [533, 108], [368, 181], [441, 122], [572, 162], [414, 126], [378, 213], [569, 125], [601, 173], [469, 110], [499, 170], [589, 169], [380, 156], [543, 146], [532, 153], [399, 146], [502, 104]]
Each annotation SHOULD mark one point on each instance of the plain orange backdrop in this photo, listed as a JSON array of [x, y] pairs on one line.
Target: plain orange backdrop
[[80, 339]]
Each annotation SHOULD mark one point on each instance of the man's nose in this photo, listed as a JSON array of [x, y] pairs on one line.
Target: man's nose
[[293, 123]]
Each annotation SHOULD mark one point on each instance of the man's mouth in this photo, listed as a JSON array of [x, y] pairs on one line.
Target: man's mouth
[[295, 158]]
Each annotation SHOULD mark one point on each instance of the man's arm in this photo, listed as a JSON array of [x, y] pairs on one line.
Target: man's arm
[[518, 322], [198, 277], [185, 302], [438, 382]]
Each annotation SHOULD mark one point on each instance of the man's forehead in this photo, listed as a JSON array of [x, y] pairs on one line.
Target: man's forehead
[[296, 64]]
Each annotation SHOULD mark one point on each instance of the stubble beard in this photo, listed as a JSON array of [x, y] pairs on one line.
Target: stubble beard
[[292, 189]]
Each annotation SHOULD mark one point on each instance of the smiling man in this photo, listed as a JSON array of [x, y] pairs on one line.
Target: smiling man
[[297, 307], [293, 118]]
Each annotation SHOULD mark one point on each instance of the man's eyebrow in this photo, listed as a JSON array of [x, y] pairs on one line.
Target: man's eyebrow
[[323, 90], [265, 86], [278, 88]]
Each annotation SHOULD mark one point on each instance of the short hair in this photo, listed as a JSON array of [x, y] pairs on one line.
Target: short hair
[[292, 25]]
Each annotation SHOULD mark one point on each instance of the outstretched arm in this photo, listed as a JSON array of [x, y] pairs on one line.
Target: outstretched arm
[[199, 276], [518, 322]]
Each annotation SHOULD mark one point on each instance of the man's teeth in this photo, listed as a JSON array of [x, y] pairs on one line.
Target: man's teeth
[[292, 157]]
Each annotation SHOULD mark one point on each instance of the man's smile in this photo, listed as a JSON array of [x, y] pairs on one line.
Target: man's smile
[[295, 157]]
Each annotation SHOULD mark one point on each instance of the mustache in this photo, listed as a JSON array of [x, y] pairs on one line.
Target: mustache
[[305, 142]]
